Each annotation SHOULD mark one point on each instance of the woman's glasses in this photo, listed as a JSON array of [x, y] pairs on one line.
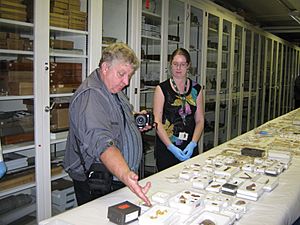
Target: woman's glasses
[[179, 65]]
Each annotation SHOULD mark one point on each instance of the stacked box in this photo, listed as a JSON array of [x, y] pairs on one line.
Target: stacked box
[[24, 177], [13, 10], [65, 77], [20, 88], [77, 22], [15, 42], [17, 138], [3, 43], [16, 77], [57, 13], [77, 19], [16, 127], [61, 44], [63, 88], [59, 117], [59, 20], [63, 195], [67, 14], [29, 6]]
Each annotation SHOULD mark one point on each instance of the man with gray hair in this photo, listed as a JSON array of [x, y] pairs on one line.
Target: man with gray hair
[[102, 126]]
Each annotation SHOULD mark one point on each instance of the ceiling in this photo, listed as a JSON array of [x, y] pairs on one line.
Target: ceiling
[[270, 15]]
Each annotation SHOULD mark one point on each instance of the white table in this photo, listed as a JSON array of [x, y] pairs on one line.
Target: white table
[[279, 207]]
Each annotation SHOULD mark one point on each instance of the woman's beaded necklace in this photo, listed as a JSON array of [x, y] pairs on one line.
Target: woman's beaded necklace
[[182, 97]]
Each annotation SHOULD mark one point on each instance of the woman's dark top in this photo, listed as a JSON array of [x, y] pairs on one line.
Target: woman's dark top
[[174, 124]]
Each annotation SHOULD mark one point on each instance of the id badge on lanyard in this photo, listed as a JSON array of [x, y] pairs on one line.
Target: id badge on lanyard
[[183, 136]]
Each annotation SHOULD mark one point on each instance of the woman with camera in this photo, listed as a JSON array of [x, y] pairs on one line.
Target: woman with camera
[[178, 113]]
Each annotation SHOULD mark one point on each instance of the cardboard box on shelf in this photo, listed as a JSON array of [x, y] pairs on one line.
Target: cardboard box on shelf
[[24, 177], [59, 23], [28, 45], [17, 138], [58, 10], [62, 88], [3, 35], [14, 76], [16, 65], [59, 118], [13, 5], [72, 12], [20, 88], [74, 7], [7, 12], [63, 195], [61, 44], [62, 1], [65, 76], [13, 35], [59, 4], [25, 76], [58, 16], [15, 44], [74, 2], [65, 82]]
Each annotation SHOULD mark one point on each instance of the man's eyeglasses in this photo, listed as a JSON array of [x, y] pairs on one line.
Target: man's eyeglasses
[[179, 65]]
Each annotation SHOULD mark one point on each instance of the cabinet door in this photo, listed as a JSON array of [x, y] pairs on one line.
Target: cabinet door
[[261, 79], [272, 76], [40, 69], [279, 81], [225, 81], [68, 47], [284, 79], [236, 81], [255, 67], [114, 21], [274, 89], [212, 65], [17, 120], [151, 51], [288, 54], [267, 79], [195, 43], [246, 100], [176, 23]]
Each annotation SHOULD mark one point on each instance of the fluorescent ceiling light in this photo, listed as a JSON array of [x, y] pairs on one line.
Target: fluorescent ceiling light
[[295, 15]]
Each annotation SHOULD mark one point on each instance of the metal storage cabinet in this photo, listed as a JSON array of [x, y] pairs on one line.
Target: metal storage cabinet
[[53, 34], [246, 73]]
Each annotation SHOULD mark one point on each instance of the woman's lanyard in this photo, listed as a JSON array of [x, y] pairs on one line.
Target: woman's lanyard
[[182, 112]]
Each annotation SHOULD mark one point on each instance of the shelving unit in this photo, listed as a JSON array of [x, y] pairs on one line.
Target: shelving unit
[[14, 34], [49, 45]]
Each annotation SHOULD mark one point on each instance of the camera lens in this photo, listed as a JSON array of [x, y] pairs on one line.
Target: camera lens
[[141, 120]]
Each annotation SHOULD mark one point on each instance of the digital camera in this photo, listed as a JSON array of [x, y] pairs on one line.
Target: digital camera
[[143, 120]]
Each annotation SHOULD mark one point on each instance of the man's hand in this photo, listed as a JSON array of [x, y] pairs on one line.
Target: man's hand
[[131, 180], [115, 163]]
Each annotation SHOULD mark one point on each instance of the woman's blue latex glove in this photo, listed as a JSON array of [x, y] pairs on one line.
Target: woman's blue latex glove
[[189, 149], [177, 152], [2, 169]]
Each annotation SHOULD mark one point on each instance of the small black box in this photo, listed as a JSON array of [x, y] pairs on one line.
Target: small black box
[[123, 213], [229, 189], [254, 152]]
